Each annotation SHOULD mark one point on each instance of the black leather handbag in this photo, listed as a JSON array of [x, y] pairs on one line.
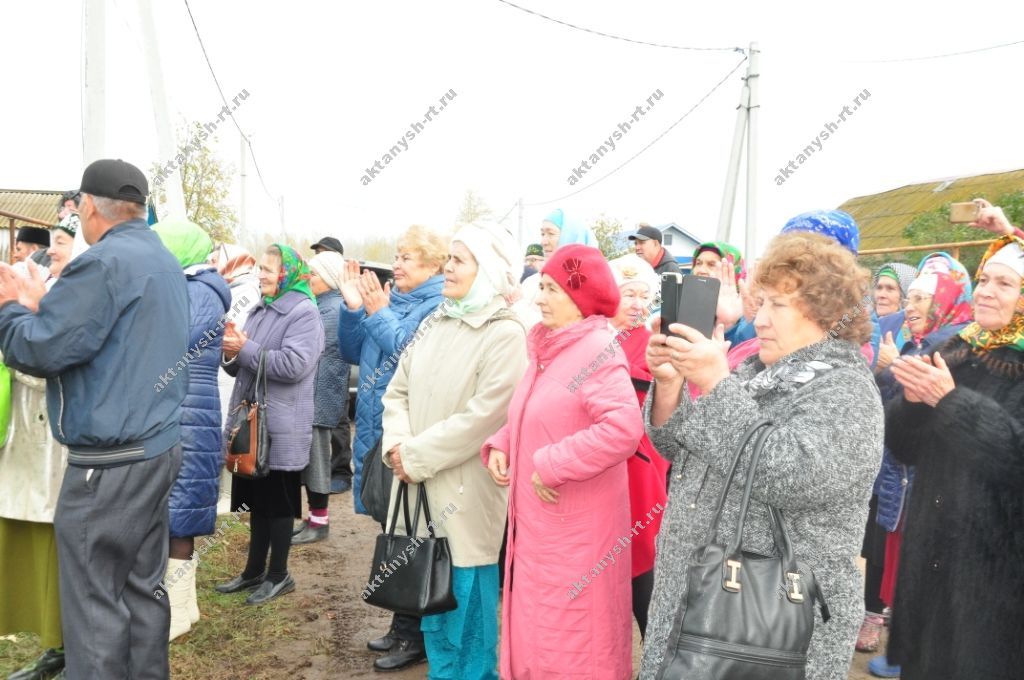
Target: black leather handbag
[[747, 616], [248, 447], [376, 490], [411, 575]]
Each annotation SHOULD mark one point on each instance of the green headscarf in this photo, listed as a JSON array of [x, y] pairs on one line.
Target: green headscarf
[[725, 251], [187, 241], [294, 275]]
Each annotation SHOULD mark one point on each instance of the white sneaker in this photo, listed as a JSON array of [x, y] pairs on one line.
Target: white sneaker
[[177, 595]]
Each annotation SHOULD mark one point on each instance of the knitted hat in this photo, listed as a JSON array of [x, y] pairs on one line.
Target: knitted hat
[[632, 268], [586, 278], [328, 265]]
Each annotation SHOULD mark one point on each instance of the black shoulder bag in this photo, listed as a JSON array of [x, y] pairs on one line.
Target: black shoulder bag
[[747, 616], [411, 575]]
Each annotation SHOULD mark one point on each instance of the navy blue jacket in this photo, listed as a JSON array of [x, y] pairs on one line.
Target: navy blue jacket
[[376, 343], [330, 398], [115, 321], [895, 480], [193, 501]]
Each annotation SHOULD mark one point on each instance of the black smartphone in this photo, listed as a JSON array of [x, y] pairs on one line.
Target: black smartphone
[[689, 300]]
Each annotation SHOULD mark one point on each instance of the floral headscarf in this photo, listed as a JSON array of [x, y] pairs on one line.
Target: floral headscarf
[[1011, 335], [949, 304], [294, 275]]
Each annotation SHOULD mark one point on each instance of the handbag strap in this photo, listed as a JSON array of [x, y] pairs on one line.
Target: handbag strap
[[401, 501], [422, 502], [747, 436], [261, 379]]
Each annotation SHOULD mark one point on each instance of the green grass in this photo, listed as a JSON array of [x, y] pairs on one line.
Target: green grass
[[231, 641]]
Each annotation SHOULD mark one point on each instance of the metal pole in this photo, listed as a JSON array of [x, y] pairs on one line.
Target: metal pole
[[174, 194], [519, 229], [754, 105], [241, 191], [729, 195], [94, 92]]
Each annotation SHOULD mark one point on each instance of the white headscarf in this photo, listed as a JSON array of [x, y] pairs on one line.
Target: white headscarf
[[496, 255]]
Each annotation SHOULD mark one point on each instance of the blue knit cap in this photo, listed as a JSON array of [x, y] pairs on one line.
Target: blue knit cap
[[832, 223]]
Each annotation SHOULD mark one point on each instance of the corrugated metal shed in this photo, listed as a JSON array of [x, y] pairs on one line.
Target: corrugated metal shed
[[882, 217], [40, 205]]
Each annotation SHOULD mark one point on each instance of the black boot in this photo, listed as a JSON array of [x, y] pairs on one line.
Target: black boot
[[311, 533], [45, 666], [405, 653], [383, 643]]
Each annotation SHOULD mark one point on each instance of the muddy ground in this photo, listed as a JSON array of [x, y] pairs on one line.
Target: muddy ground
[[333, 624]]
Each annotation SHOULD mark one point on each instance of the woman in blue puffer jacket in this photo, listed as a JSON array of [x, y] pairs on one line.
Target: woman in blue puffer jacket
[[938, 305], [193, 500], [374, 328]]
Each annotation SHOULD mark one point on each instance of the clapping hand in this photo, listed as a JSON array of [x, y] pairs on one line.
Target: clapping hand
[[887, 353], [374, 297], [27, 292], [350, 277], [924, 379], [233, 340], [730, 304]]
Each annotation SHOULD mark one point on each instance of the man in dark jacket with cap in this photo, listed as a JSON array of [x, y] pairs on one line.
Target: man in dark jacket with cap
[[648, 246], [115, 321]]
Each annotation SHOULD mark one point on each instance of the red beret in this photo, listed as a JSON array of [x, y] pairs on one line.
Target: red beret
[[585, 276]]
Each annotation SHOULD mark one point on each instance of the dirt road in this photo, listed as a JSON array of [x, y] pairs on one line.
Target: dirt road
[[334, 623]]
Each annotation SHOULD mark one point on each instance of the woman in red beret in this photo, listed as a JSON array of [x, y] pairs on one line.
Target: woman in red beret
[[573, 423]]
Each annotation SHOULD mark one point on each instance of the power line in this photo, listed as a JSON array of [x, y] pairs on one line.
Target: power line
[[618, 37], [652, 142], [934, 56], [225, 100]]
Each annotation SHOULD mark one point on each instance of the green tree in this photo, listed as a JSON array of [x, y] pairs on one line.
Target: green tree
[[206, 183], [609, 239], [473, 208], [935, 227]]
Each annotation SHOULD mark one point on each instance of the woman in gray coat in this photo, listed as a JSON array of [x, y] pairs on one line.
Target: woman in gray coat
[[817, 467], [286, 325]]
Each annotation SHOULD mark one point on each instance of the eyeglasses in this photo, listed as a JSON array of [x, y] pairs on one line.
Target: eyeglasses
[[918, 299]]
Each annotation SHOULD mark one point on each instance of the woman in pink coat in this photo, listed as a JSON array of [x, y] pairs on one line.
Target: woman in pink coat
[[573, 423]]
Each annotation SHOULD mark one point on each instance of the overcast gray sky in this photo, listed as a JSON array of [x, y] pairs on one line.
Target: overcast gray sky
[[333, 86]]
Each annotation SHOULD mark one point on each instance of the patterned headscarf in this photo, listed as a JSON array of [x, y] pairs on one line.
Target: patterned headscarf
[[949, 304], [725, 251], [294, 275], [1010, 335], [902, 274], [835, 224]]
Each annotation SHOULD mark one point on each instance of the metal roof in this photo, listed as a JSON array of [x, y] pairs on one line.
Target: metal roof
[[41, 205], [882, 217]]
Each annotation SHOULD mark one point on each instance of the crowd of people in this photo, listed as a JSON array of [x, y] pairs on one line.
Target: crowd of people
[[582, 449]]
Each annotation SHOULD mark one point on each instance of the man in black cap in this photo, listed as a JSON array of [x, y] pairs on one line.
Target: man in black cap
[[328, 243], [30, 240], [114, 322], [648, 246]]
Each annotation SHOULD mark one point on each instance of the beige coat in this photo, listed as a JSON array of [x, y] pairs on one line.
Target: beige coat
[[450, 392], [32, 462]]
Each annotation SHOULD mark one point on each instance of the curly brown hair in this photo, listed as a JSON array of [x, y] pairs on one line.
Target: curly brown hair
[[832, 289]]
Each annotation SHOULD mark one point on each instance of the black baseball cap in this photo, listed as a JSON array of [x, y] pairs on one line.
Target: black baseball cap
[[645, 233], [329, 243], [114, 178]]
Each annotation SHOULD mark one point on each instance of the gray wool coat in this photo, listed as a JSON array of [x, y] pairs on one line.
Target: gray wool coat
[[818, 467]]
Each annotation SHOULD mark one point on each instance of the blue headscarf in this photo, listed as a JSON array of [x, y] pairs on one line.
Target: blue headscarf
[[835, 224], [571, 230]]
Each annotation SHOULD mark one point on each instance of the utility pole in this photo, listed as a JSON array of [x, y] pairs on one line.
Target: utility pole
[[745, 129], [519, 229], [94, 88], [168, 147]]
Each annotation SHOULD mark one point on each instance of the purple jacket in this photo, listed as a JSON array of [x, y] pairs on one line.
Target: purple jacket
[[291, 332]]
